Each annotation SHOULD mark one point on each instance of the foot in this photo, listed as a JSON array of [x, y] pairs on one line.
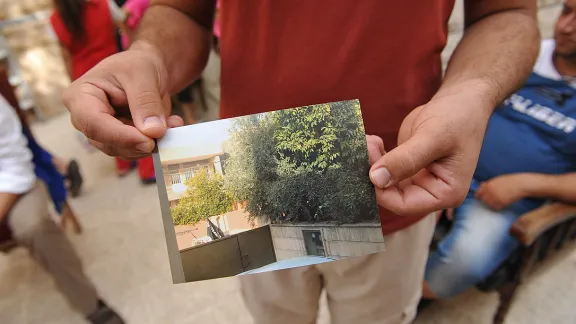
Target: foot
[[424, 302], [123, 173], [104, 315], [148, 181], [75, 178]]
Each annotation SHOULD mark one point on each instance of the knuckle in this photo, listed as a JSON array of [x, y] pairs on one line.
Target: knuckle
[[108, 150], [148, 100], [86, 127], [407, 164]]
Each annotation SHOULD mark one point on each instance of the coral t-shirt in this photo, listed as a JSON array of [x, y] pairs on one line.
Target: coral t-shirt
[[279, 54], [99, 41]]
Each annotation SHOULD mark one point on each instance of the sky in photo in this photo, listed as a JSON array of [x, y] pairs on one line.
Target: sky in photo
[[203, 134]]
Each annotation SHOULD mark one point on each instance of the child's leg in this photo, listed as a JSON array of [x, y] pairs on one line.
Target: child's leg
[[68, 216], [122, 167], [146, 170]]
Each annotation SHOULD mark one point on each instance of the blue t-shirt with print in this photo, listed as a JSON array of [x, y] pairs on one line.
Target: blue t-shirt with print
[[533, 131]]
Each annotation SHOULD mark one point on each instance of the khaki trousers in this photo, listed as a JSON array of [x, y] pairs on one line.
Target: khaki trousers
[[382, 288], [31, 226]]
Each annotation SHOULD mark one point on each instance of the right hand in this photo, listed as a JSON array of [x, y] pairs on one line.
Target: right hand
[[123, 104]]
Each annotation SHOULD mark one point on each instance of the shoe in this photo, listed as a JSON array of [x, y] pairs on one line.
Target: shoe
[[424, 302], [148, 181], [75, 178], [104, 315]]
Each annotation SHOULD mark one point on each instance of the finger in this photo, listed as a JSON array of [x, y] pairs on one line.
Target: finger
[[91, 114], [146, 105], [406, 160], [116, 151], [175, 121], [375, 148], [377, 142], [450, 213], [420, 195], [410, 201]]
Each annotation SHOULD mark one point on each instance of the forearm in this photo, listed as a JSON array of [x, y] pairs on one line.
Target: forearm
[[495, 55], [557, 187], [180, 35], [7, 201]]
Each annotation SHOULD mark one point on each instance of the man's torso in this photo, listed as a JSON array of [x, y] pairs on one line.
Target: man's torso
[[280, 54]]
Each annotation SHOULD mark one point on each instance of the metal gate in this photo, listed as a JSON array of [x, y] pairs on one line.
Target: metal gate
[[229, 256]]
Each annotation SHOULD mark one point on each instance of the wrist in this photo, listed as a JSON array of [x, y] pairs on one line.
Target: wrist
[[146, 47], [155, 56], [478, 94]]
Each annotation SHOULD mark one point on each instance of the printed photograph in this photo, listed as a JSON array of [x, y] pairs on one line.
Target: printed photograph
[[267, 191]]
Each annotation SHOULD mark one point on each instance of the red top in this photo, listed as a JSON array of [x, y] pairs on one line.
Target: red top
[[99, 42], [288, 53]]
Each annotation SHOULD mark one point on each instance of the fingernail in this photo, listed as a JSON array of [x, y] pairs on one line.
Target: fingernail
[[380, 177], [153, 121], [144, 147]]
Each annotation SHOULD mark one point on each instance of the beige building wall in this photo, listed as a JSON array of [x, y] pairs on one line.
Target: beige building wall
[[339, 241]]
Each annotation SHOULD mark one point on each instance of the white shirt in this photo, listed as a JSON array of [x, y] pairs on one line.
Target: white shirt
[[545, 63], [16, 168]]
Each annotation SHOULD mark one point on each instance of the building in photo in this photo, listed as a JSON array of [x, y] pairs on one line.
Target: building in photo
[[182, 162]]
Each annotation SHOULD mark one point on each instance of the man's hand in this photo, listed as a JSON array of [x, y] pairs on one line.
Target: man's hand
[[123, 103], [432, 167], [500, 192]]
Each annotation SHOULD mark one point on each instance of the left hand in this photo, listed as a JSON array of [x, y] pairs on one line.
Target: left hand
[[500, 192], [432, 167]]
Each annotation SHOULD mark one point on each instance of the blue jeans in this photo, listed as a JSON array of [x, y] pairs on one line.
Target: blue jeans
[[477, 244]]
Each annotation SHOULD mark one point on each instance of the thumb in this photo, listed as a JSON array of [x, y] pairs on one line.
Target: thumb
[[147, 106], [405, 160]]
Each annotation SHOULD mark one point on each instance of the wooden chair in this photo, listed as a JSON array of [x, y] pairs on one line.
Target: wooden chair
[[540, 233]]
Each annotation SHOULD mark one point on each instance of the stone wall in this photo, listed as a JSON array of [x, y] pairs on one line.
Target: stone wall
[[339, 241]]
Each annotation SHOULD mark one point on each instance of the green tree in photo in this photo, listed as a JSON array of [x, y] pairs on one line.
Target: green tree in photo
[[205, 197], [302, 165], [321, 137], [251, 166]]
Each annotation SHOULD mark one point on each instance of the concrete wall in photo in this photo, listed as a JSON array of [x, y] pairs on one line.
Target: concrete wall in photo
[[339, 241], [229, 256]]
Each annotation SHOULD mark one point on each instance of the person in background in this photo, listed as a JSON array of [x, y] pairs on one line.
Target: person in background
[[119, 33], [25, 218], [66, 170], [134, 10], [53, 171], [528, 158], [426, 128], [86, 31], [216, 30]]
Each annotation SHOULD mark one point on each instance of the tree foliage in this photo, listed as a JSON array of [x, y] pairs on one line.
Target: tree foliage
[[305, 164], [205, 197]]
